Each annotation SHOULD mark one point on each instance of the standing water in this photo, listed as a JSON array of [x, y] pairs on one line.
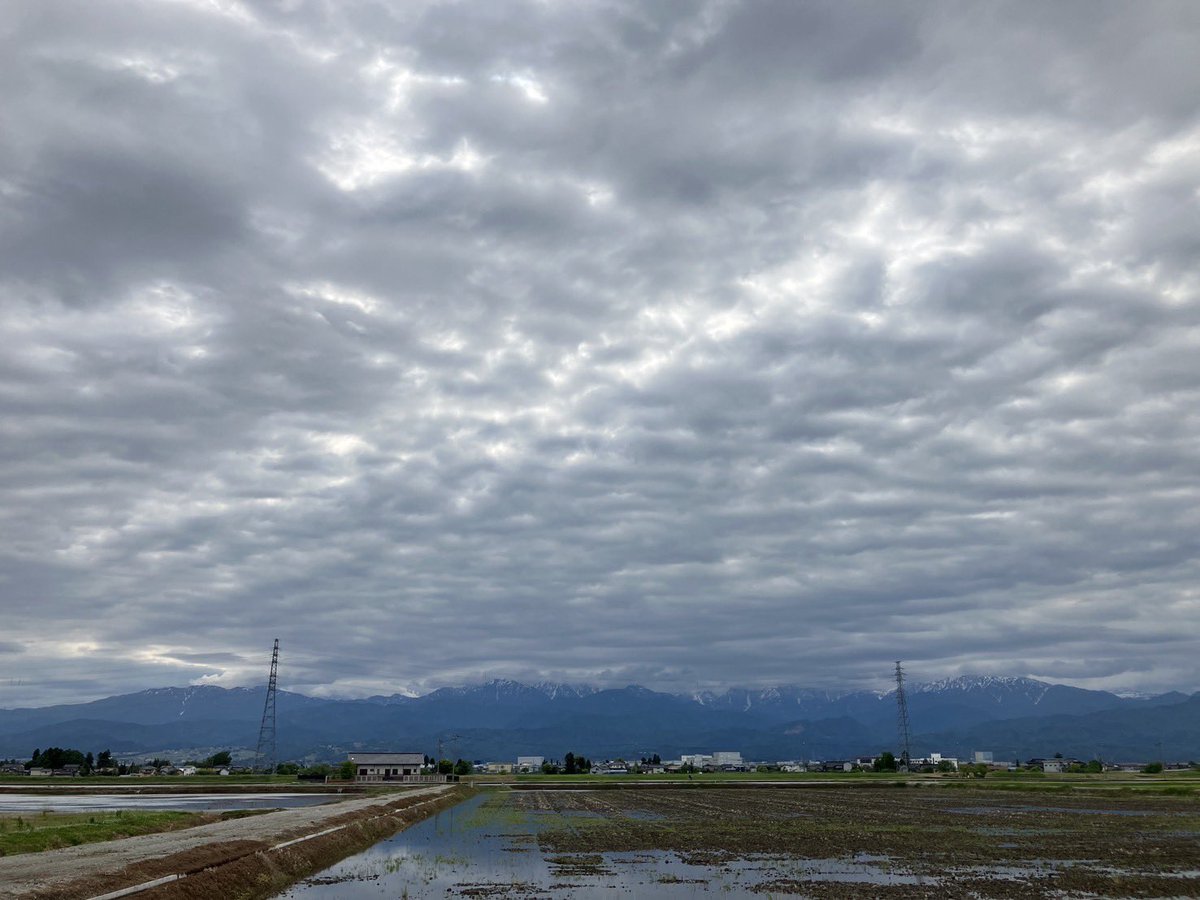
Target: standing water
[[490, 849]]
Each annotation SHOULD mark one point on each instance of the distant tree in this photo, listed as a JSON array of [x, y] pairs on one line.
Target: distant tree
[[1153, 768], [218, 759], [1094, 767], [104, 760], [886, 762], [287, 768], [462, 767], [89, 763], [320, 770], [1058, 756], [57, 757], [346, 771], [549, 768], [569, 764], [445, 767], [159, 763], [944, 765]]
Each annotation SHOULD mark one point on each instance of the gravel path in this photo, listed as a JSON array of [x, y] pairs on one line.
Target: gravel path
[[29, 872]]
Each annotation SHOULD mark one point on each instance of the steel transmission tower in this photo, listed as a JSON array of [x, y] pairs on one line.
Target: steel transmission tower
[[902, 718], [264, 755]]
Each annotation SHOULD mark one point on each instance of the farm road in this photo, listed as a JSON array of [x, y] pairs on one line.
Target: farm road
[[38, 873]]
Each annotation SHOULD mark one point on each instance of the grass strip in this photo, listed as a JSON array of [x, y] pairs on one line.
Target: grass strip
[[50, 831]]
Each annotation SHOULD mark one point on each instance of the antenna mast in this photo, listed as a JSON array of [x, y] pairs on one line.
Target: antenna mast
[[902, 719], [264, 755]]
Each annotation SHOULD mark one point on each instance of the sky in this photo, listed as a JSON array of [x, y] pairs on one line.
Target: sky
[[687, 344]]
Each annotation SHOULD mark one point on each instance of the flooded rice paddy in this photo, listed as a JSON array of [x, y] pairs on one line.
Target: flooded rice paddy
[[758, 842], [78, 803]]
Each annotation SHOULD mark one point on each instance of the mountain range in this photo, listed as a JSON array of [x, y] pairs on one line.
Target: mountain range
[[1012, 717]]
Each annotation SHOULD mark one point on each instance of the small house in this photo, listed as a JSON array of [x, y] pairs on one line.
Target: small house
[[386, 766]]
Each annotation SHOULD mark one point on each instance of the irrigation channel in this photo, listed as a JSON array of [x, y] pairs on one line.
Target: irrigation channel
[[880, 841]]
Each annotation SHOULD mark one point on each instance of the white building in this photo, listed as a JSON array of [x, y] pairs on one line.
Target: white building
[[386, 766], [731, 758], [527, 764]]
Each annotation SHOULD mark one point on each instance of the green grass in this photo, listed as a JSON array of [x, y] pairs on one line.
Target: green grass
[[48, 831], [495, 813]]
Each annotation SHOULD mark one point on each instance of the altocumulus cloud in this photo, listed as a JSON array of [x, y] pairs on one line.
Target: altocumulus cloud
[[690, 344]]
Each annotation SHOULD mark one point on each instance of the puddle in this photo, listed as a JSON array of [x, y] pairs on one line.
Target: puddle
[[860, 869]]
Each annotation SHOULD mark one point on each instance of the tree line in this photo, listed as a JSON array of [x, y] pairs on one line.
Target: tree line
[[102, 763]]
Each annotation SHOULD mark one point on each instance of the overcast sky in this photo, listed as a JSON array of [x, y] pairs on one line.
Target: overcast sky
[[691, 344]]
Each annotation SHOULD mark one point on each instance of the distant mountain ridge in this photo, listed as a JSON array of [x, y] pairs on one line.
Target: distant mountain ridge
[[502, 718]]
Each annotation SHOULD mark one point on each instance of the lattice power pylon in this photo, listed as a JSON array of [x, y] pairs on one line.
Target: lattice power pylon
[[264, 754], [902, 719]]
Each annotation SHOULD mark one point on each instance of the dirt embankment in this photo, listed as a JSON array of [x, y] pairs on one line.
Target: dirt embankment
[[238, 860]]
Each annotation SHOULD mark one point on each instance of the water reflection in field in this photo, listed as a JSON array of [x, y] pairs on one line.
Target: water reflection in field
[[19, 803], [478, 850]]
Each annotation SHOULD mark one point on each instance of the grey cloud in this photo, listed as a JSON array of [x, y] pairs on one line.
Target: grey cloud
[[684, 344]]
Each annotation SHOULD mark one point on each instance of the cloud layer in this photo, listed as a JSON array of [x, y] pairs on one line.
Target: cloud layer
[[690, 344]]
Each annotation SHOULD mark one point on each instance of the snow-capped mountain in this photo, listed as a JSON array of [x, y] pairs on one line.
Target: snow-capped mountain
[[503, 717]]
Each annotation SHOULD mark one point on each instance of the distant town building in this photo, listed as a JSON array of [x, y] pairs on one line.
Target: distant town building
[[836, 765], [527, 764], [984, 756], [728, 759], [498, 768]]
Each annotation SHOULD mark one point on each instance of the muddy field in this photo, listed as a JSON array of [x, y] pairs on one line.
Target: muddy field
[[871, 841], [896, 841]]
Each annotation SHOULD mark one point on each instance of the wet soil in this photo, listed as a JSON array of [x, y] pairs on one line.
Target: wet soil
[[889, 841]]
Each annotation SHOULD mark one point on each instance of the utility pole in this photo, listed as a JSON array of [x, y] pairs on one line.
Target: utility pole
[[264, 754], [902, 719]]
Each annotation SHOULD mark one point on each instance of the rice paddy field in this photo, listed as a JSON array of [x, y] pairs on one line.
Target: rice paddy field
[[828, 841]]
